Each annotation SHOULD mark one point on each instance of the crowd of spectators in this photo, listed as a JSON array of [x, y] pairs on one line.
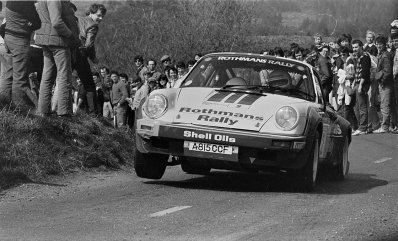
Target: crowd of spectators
[[360, 80]]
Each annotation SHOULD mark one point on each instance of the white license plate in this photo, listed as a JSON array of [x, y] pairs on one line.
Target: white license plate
[[208, 147]]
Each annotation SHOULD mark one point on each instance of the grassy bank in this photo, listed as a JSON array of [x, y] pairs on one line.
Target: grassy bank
[[34, 148]]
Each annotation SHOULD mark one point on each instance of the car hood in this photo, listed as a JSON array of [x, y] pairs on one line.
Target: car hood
[[228, 109]]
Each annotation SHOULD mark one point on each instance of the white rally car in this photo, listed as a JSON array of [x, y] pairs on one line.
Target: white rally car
[[245, 112]]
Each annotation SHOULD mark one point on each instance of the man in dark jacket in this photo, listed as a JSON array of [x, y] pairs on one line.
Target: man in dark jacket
[[21, 20], [325, 71], [362, 84]]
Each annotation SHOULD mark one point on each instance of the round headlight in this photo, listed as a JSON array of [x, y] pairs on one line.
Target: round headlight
[[286, 118], [155, 106]]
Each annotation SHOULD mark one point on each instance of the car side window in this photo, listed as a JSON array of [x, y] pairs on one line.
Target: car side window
[[318, 89]]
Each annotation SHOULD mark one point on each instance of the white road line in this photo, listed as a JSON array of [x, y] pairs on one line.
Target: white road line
[[382, 160], [168, 211]]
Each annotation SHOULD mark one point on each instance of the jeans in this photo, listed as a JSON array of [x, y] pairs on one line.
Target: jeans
[[386, 96], [20, 89], [107, 110], [121, 112], [362, 102], [57, 66], [6, 74]]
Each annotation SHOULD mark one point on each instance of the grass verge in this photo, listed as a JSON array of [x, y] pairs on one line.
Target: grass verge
[[34, 148]]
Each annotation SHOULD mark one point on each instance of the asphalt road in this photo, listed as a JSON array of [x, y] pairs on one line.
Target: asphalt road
[[221, 206]]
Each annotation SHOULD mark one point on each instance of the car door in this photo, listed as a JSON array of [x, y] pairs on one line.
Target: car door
[[325, 146]]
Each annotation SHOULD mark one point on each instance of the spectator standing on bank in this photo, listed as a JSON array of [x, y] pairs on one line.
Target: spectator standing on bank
[[107, 109], [104, 71], [394, 40], [384, 75], [141, 92], [57, 37], [173, 73], [181, 69], [373, 93], [166, 64], [163, 82], [141, 68], [325, 71], [22, 20], [318, 41], [99, 92], [191, 63], [151, 68], [346, 92], [369, 46], [362, 84], [118, 98], [88, 27]]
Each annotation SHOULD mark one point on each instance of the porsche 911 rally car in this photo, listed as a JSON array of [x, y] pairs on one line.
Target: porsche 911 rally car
[[246, 112]]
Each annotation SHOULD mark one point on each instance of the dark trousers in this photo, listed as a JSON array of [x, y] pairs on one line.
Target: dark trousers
[[349, 113], [84, 72], [362, 100]]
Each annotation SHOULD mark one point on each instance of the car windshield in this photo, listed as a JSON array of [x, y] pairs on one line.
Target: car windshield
[[252, 73]]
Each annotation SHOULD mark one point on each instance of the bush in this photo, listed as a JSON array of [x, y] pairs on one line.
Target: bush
[[32, 147]]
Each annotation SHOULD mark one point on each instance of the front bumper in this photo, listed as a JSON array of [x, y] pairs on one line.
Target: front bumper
[[250, 148]]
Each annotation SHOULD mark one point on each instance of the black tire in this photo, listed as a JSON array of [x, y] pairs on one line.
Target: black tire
[[189, 168], [309, 173], [149, 165], [340, 171]]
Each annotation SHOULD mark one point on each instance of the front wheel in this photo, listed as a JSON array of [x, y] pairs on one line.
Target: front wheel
[[149, 165], [309, 174], [340, 171]]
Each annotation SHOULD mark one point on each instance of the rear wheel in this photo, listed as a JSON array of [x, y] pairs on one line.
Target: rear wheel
[[190, 168], [309, 174], [340, 171]]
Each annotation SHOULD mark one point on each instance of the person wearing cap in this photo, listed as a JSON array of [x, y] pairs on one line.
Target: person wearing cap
[[166, 63]]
